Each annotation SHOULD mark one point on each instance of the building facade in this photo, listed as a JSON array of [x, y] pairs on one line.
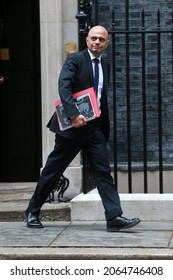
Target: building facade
[[56, 30]]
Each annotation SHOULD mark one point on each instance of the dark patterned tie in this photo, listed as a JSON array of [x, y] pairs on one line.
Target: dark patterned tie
[[96, 74]]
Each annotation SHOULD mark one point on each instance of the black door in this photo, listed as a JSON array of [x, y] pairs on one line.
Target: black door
[[20, 113]]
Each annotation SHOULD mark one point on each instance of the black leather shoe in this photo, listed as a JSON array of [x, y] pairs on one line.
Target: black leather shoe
[[121, 223], [33, 221]]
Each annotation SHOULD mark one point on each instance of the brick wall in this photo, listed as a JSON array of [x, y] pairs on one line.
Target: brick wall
[[135, 88]]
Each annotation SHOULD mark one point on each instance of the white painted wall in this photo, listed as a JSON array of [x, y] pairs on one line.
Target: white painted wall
[[58, 27]]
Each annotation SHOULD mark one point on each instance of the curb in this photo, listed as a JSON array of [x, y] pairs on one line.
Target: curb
[[57, 253]]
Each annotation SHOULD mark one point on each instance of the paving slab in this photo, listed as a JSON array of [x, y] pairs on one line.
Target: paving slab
[[16, 234], [95, 235], [86, 234]]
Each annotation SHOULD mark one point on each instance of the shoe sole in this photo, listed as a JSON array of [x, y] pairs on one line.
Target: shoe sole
[[128, 226], [29, 226]]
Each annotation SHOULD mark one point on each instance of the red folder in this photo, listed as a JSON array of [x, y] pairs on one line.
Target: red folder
[[86, 101]]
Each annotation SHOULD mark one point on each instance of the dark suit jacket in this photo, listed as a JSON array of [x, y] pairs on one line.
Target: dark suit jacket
[[77, 75]]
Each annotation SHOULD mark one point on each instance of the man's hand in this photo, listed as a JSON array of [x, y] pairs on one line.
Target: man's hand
[[78, 121]]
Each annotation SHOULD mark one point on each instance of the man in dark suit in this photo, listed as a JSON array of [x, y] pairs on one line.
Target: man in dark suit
[[77, 74]]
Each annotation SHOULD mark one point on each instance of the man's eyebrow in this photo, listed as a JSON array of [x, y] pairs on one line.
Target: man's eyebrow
[[98, 37]]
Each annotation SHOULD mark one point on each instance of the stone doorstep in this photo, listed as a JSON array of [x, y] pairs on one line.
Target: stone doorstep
[[49, 212], [88, 207], [148, 207], [14, 199]]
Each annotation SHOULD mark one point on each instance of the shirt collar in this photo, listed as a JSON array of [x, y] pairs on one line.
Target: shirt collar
[[92, 56]]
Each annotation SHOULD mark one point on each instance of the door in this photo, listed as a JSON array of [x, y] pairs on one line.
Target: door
[[20, 113]]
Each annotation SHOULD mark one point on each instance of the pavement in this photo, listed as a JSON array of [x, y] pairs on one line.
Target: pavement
[[64, 239]]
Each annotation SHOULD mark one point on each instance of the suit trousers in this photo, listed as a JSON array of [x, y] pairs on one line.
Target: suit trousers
[[91, 139]]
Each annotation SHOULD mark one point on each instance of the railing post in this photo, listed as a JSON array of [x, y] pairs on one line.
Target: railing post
[[144, 103], [114, 99], [128, 97], [85, 21], [159, 102]]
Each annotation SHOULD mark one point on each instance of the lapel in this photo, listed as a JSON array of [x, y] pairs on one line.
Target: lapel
[[88, 62]]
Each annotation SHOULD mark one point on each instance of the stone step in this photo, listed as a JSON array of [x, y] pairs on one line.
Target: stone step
[[83, 207], [14, 199], [148, 207]]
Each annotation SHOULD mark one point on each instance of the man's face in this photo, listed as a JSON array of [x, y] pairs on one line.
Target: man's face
[[97, 40]]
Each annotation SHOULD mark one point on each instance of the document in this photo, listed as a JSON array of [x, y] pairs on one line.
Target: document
[[86, 102]]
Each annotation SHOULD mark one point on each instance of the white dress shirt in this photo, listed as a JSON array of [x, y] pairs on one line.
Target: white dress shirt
[[100, 85]]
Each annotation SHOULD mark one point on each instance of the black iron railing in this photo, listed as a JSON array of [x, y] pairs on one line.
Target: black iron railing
[[140, 139], [158, 33]]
